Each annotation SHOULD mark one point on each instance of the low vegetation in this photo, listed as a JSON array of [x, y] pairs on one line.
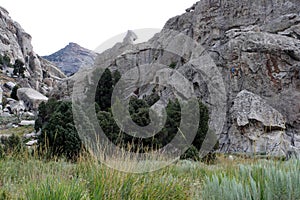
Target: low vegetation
[[19, 131], [27, 177], [60, 167]]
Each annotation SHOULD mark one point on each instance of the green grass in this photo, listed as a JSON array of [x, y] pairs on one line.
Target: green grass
[[26, 177], [20, 131]]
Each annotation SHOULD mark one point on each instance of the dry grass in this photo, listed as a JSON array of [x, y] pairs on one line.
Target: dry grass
[[28, 177]]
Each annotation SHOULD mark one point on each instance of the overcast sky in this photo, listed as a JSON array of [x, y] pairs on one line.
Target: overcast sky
[[53, 24]]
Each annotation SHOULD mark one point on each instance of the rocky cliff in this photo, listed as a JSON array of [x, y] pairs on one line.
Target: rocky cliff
[[242, 59], [260, 42], [71, 58], [15, 44]]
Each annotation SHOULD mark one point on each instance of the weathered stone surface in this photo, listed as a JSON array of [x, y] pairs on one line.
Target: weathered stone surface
[[16, 44], [17, 107], [10, 85], [258, 39], [248, 106], [31, 97], [130, 37], [31, 142], [14, 41], [257, 127], [27, 123]]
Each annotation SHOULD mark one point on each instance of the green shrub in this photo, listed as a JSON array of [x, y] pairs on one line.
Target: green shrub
[[19, 68], [12, 144], [1, 62], [13, 94], [173, 65], [191, 153], [5, 61]]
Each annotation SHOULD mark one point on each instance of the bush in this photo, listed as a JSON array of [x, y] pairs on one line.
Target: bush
[[173, 65], [13, 94], [12, 145], [19, 68], [139, 113], [5, 61], [191, 153]]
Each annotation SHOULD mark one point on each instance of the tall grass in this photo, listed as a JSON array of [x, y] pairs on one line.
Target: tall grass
[[31, 178]]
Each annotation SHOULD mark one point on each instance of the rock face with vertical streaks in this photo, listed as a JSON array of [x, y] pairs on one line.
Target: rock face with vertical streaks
[[242, 58], [15, 44]]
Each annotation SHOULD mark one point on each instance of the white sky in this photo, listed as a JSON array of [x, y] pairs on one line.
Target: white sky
[[53, 24]]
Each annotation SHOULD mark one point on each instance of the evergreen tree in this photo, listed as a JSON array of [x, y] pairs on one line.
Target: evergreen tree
[[116, 77], [104, 90], [59, 136], [19, 68], [13, 94]]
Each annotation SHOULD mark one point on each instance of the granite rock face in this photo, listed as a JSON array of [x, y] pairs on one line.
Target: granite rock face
[[255, 45], [261, 127], [71, 58], [242, 58], [15, 43]]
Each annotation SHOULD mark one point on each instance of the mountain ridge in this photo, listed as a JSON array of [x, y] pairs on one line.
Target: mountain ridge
[[72, 57]]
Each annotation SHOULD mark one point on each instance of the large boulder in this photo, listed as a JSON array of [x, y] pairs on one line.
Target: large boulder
[[31, 98], [257, 127], [248, 106]]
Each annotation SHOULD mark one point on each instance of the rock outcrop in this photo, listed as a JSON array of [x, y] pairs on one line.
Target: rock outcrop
[[1, 96], [71, 58], [259, 41], [260, 127], [242, 59], [15, 44], [31, 98]]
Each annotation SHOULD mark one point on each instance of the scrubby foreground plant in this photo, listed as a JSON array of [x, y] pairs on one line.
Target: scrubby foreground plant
[[266, 180]]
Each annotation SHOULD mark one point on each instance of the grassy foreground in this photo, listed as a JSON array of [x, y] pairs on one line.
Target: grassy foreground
[[30, 178]]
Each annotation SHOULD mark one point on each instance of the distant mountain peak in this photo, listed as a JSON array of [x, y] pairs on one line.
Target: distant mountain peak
[[72, 57], [74, 45]]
